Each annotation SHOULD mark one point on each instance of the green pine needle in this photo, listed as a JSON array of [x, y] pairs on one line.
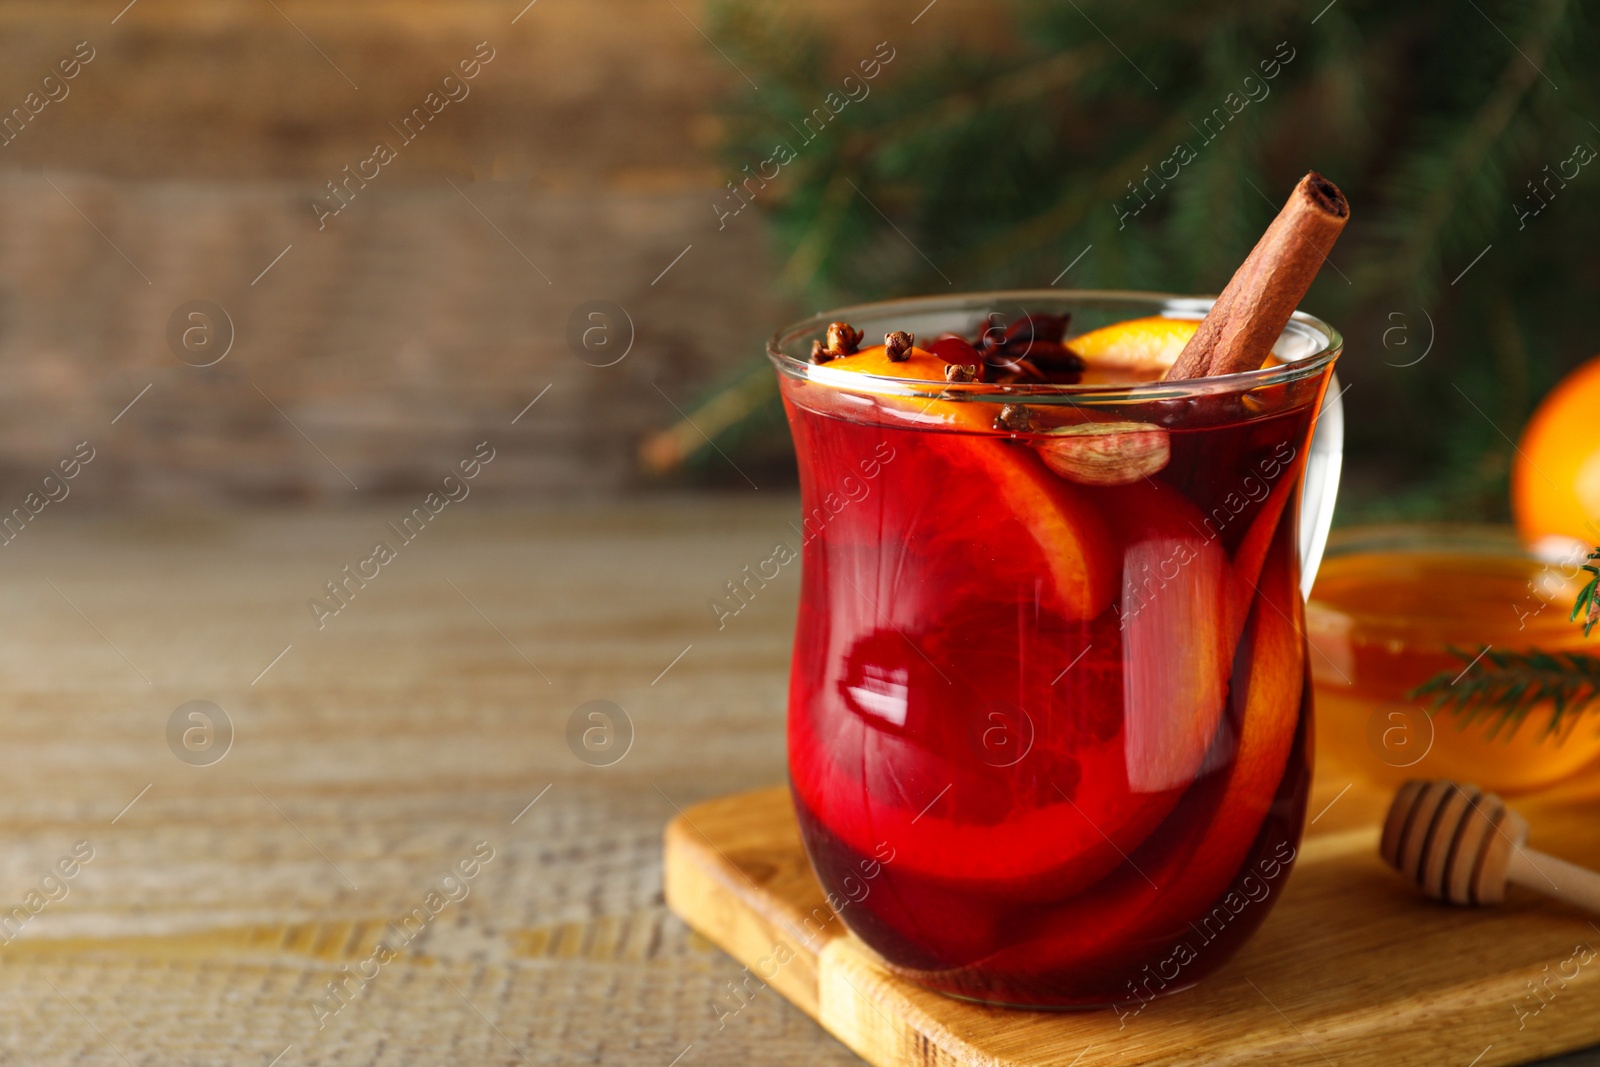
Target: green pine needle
[[1588, 602], [1504, 687]]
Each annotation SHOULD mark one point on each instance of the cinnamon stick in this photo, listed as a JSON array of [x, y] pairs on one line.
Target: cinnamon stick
[[1239, 331]]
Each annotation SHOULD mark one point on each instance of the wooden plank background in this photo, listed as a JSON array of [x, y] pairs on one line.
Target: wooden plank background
[[185, 159]]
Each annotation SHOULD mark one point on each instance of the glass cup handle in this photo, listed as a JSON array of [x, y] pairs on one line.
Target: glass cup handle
[[1321, 484]]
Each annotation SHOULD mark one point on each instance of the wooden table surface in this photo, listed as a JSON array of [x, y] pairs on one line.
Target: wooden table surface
[[368, 760]]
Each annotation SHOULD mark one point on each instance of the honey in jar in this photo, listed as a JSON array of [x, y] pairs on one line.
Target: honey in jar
[[1389, 606]]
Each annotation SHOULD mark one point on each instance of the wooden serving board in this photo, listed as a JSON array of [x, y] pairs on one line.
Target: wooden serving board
[[1351, 968]]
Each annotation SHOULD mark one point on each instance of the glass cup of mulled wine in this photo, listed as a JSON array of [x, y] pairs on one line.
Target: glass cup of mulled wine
[[1049, 682]]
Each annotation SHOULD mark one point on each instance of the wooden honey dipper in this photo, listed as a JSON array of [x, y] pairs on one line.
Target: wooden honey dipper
[[1460, 844]]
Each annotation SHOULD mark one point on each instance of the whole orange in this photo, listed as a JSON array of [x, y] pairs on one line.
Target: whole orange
[[1555, 476]]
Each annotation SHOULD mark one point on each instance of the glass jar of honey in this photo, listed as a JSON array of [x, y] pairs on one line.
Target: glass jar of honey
[[1393, 607]]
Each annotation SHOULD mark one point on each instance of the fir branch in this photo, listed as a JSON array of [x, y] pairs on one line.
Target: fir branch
[[1004, 161], [1505, 687], [1462, 163], [1588, 602], [1075, 201]]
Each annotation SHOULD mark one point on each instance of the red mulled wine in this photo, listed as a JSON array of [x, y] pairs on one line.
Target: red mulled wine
[[1049, 678]]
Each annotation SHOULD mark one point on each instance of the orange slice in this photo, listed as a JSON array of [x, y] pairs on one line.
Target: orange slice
[[1187, 874], [1272, 697], [1177, 649], [919, 365], [1142, 349], [1069, 533]]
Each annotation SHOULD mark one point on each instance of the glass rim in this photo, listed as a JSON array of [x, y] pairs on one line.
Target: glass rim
[[791, 366]]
